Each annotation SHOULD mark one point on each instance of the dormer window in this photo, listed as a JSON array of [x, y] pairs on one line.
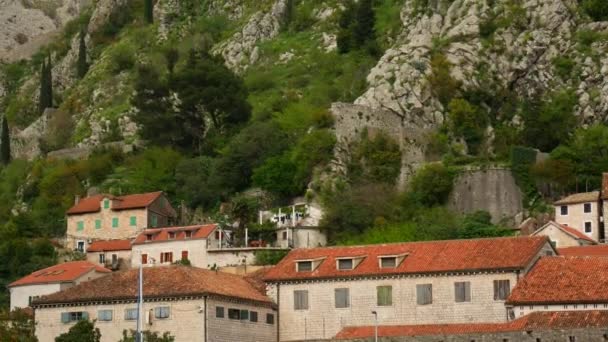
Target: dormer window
[[345, 264], [388, 262], [304, 266], [188, 234], [106, 203], [148, 237], [171, 235]]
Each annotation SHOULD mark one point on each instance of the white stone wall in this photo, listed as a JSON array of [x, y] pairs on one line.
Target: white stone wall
[[197, 252], [302, 237], [124, 258], [185, 322], [559, 237], [20, 294], [231, 257], [577, 217], [323, 320], [521, 310]]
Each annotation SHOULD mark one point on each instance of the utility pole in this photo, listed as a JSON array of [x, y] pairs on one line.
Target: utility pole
[[139, 337], [375, 325]]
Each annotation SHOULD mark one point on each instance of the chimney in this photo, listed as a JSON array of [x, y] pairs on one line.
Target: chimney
[[604, 193], [76, 199]]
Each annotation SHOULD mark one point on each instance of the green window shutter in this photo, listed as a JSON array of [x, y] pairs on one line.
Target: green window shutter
[[154, 220], [80, 225], [106, 204], [133, 220], [115, 222], [85, 316], [97, 224], [65, 317]]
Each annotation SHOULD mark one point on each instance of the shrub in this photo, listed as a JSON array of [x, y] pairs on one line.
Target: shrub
[[563, 66], [441, 82], [432, 184], [122, 57], [375, 159], [263, 258], [596, 9], [83, 331], [467, 121], [277, 175]]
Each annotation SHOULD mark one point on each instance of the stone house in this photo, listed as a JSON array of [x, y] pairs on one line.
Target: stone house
[[52, 279], [112, 254], [581, 211], [202, 245], [320, 291], [297, 226], [578, 326], [107, 217], [561, 284], [190, 303], [562, 235]]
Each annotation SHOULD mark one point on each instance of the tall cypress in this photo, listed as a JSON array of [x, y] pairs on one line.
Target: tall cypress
[[49, 83], [82, 66], [364, 28], [5, 143], [149, 11], [43, 98]]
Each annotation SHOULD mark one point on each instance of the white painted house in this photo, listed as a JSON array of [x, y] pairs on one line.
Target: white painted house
[[320, 291], [562, 235]]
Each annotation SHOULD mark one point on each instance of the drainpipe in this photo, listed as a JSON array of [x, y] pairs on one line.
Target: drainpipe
[[205, 316]]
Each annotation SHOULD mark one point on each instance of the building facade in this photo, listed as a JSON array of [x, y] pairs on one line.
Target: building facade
[[581, 211], [52, 279], [320, 291], [190, 303], [106, 217], [111, 254], [564, 236]]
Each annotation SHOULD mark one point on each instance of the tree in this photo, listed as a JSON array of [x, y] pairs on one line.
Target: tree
[[345, 35], [432, 184], [149, 11], [82, 64], [83, 331], [363, 32], [375, 159], [46, 85], [479, 225], [277, 175], [149, 336], [5, 143], [171, 56], [17, 326], [596, 9], [467, 121]]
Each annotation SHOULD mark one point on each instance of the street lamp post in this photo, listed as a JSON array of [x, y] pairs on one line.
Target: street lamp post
[[139, 336], [375, 325]]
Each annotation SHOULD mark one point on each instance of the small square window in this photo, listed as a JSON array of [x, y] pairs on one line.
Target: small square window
[[300, 300], [219, 311], [587, 207], [384, 295], [161, 312], [342, 298], [269, 319], [345, 264], [130, 314], [80, 225], [588, 227], [106, 203], [563, 210], [244, 315], [133, 221], [104, 315], [424, 294], [188, 234], [462, 291], [502, 289], [304, 266], [171, 235], [388, 262], [234, 314], [253, 316]]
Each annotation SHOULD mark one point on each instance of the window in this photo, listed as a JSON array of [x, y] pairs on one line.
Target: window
[[161, 312], [80, 246], [171, 235], [234, 314], [148, 237], [217, 234], [31, 299], [154, 220], [587, 207], [184, 255], [102, 258], [588, 228], [345, 264], [502, 289], [219, 311], [571, 338], [67, 317], [130, 314], [563, 210], [342, 298], [166, 257], [80, 225], [269, 319], [244, 315], [106, 203], [144, 259], [424, 294], [462, 291], [384, 295], [253, 316], [300, 300], [115, 222], [284, 235], [188, 234], [97, 224], [388, 262], [304, 266], [133, 221], [104, 315]]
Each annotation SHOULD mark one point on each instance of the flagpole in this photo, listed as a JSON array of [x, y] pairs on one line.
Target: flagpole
[[139, 337]]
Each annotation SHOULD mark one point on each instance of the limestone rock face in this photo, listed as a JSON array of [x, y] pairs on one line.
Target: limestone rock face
[[240, 50], [26, 25], [103, 11]]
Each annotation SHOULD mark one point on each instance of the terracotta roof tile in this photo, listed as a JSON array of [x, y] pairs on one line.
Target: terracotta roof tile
[[563, 280], [577, 233], [597, 250], [92, 204], [110, 245], [159, 282], [547, 320], [65, 272], [162, 234], [421, 257], [592, 196]]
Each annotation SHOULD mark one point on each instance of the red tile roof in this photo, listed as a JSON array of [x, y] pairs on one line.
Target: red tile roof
[[66, 272], [162, 234], [92, 204], [421, 257], [563, 280], [159, 282], [547, 320], [596, 250], [578, 234], [110, 245], [592, 196]]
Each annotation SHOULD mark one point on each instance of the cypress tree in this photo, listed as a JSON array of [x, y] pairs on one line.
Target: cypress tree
[[43, 98], [82, 66], [5, 143], [364, 28], [49, 83], [148, 11]]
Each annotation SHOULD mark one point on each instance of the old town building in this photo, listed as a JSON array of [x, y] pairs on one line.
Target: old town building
[[562, 235], [112, 254]]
